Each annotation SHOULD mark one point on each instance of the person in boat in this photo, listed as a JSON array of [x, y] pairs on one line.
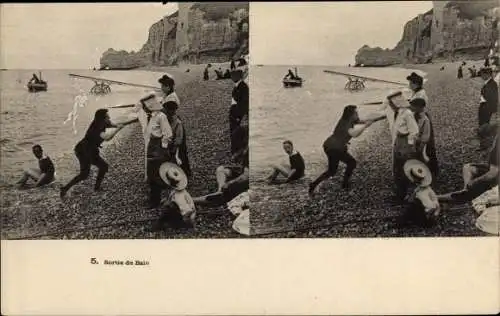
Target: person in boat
[[178, 146], [87, 150], [233, 179], [35, 79], [488, 104], [293, 171], [159, 135], [167, 94], [336, 146], [477, 178], [205, 72], [42, 175], [179, 209], [426, 144], [422, 206], [290, 75], [239, 104]]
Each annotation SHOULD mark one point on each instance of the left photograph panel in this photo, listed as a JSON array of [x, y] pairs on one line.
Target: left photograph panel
[[146, 139]]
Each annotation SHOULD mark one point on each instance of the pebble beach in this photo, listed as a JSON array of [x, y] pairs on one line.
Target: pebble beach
[[453, 108], [119, 211]]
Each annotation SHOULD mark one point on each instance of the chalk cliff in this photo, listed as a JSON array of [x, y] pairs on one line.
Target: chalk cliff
[[196, 33], [450, 29]]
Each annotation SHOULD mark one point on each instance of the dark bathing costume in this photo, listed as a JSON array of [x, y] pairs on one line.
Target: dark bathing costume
[[47, 167], [297, 163], [87, 152]]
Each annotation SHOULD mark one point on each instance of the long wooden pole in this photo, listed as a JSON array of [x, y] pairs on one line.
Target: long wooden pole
[[115, 81], [362, 77]]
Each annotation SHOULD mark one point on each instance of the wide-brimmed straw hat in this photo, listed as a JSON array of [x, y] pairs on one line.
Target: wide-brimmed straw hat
[[152, 103], [173, 176], [400, 99], [415, 170]]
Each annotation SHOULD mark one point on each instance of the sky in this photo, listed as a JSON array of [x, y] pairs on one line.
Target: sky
[[72, 36], [325, 33]]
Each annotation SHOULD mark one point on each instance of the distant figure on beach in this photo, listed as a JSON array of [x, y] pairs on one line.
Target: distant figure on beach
[[460, 73], [178, 210], [426, 144], [293, 171], [336, 146], [422, 203], [178, 146], [233, 65], [42, 175], [239, 103], [87, 150], [205, 72], [442, 68], [159, 138], [477, 177], [487, 62], [232, 180], [489, 100]]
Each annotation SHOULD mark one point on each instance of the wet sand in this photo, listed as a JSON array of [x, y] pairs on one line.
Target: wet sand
[[204, 110], [453, 108]]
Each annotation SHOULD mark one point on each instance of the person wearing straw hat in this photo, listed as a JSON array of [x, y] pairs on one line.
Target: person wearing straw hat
[[158, 137], [423, 204], [239, 103], [167, 94], [178, 210]]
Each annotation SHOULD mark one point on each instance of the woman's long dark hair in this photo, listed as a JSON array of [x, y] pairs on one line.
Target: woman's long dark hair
[[348, 112], [100, 120]]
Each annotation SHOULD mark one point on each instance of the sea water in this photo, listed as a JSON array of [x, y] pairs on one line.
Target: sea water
[[38, 118], [306, 115]]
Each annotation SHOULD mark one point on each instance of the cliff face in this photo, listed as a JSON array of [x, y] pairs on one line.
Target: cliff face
[[451, 28], [196, 33]]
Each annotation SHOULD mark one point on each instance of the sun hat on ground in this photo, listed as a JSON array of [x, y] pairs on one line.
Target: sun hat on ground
[[415, 170], [173, 176]]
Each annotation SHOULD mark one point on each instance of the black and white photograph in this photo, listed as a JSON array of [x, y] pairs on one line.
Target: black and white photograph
[[364, 128], [124, 120]]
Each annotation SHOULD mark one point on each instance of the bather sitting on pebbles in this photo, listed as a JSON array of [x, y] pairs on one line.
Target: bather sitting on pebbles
[[232, 180], [291, 172], [43, 175], [478, 178]]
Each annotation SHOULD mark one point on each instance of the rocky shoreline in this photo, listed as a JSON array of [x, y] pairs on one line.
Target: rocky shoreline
[[453, 110], [42, 214]]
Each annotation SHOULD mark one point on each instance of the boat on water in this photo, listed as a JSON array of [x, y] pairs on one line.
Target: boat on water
[[289, 82], [37, 84]]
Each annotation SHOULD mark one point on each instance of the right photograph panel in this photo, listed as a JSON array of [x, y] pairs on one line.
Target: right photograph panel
[[374, 119]]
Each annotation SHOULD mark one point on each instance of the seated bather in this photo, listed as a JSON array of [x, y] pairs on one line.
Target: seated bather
[[478, 178], [232, 180], [42, 175], [291, 172], [290, 75]]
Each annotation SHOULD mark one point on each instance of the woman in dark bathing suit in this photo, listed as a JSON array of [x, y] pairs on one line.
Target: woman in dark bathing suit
[[336, 145], [87, 150]]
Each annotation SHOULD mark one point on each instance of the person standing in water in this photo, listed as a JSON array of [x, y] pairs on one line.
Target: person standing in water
[[336, 146], [87, 150], [292, 172], [45, 172]]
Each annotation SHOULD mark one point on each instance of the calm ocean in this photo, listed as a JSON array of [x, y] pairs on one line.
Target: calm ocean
[[38, 118], [306, 115]]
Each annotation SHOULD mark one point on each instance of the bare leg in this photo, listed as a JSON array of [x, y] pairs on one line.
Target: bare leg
[[221, 175], [277, 170], [468, 173], [29, 174]]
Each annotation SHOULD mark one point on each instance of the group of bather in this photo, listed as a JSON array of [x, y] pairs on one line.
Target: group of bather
[[221, 74], [166, 160], [414, 157]]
